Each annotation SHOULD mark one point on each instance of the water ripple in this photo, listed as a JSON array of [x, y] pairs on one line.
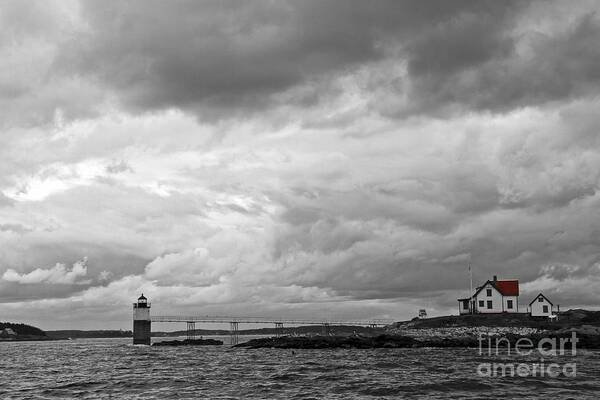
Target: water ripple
[[112, 368]]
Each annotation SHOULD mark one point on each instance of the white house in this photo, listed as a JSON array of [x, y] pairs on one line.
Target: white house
[[495, 296], [540, 306]]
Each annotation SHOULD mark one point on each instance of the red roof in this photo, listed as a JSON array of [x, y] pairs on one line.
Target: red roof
[[508, 287]]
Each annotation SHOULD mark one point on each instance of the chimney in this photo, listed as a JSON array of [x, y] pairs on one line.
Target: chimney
[[495, 278]]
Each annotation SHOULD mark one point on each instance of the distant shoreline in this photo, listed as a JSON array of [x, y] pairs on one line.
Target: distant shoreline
[[450, 327], [296, 330], [41, 339]]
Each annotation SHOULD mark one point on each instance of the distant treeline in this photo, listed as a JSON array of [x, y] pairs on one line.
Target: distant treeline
[[22, 329], [77, 334]]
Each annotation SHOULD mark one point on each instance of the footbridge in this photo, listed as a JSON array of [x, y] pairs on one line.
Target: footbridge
[[142, 322], [279, 323]]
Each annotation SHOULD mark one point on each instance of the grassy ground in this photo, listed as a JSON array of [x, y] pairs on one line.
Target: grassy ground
[[567, 319]]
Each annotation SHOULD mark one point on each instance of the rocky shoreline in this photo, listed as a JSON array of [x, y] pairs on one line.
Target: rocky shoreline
[[586, 341], [328, 342], [189, 342], [463, 332]]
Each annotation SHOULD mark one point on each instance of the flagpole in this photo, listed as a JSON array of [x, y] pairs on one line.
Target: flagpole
[[472, 306]]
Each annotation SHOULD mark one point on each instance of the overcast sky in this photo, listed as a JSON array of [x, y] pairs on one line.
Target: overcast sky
[[339, 159]]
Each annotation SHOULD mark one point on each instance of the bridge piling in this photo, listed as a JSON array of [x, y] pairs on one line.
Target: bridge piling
[[326, 329], [278, 329], [191, 330], [233, 332]]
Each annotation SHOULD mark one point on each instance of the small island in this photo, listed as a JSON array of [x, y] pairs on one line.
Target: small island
[[453, 331], [585, 341], [189, 342], [330, 342]]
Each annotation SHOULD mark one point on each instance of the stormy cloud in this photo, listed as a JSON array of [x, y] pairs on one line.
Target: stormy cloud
[[333, 158]]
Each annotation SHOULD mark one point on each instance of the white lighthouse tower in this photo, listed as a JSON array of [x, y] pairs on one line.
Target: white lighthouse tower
[[141, 321]]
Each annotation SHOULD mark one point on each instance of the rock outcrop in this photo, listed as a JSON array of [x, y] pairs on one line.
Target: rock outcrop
[[329, 342], [586, 341], [189, 342]]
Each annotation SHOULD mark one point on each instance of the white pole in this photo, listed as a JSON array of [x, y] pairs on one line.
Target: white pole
[[471, 280], [472, 306]]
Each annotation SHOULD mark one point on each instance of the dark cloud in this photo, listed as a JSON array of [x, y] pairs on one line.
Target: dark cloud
[[221, 58], [233, 54], [475, 63], [463, 41], [30, 93]]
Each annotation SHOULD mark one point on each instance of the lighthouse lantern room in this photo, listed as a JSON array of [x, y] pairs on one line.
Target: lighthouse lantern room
[[141, 321]]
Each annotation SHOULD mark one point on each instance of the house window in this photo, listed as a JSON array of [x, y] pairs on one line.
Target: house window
[[489, 292], [465, 305], [489, 304], [545, 308], [540, 299], [481, 303], [509, 304]]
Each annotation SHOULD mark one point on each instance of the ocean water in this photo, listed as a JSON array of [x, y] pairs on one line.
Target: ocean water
[[115, 369]]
